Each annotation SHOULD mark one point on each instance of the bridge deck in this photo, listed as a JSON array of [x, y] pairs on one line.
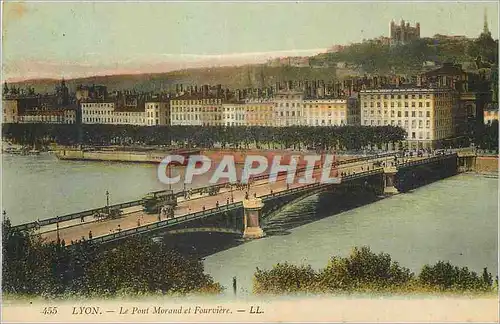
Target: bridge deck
[[133, 217]]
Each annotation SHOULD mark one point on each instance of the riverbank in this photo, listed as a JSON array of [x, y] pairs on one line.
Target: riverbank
[[156, 156], [121, 155], [434, 222], [487, 164]]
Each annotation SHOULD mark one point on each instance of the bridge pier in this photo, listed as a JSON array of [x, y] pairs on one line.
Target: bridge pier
[[466, 162], [252, 209], [389, 180]]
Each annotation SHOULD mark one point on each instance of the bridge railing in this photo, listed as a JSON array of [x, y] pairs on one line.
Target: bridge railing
[[320, 185], [212, 211], [84, 213], [427, 160], [165, 223]]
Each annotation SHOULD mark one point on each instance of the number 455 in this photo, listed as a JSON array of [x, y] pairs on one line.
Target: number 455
[[49, 310]]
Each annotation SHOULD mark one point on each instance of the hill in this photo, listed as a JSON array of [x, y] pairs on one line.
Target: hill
[[372, 56], [230, 77], [375, 56]]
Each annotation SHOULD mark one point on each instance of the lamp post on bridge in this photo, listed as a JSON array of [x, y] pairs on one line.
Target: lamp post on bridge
[[57, 229], [170, 176], [107, 201]]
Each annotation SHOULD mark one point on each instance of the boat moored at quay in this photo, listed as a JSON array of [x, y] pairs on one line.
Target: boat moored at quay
[[122, 155]]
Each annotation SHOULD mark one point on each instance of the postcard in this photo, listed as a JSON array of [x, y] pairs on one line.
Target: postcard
[[249, 161]]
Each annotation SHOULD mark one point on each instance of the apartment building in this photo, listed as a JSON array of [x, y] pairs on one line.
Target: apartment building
[[259, 112], [196, 110], [425, 113], [59, 116], [107, 112], [288, 109], [233, 114], [10, 111], [330, 112], [157, 113]]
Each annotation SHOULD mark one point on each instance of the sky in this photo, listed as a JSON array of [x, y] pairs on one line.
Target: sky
[[74, 39]]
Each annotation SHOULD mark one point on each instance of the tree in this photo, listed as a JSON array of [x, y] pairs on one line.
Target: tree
[[444, 276], [285, 278], [138, 266], [363, 269]]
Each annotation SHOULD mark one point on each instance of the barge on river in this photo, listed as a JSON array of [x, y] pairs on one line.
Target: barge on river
[[123, 155]]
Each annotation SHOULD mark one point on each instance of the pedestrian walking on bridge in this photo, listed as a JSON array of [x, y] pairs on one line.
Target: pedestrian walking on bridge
[[90, 235]]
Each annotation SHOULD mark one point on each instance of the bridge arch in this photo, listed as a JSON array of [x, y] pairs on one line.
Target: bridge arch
[[288, 203]]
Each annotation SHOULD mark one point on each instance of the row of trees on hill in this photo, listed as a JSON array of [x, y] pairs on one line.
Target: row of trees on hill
[[365, 271], [138, 266], [338, 138]]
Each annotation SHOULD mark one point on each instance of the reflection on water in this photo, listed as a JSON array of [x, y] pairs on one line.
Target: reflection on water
[[44, 187], [454, 219]]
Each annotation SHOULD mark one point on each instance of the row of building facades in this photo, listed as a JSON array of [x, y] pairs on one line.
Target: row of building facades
[[430, 108]]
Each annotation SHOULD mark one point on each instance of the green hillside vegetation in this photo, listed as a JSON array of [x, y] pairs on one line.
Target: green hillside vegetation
[[375, 57]]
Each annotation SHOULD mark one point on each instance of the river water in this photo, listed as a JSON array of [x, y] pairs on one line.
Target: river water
[[455, 219]]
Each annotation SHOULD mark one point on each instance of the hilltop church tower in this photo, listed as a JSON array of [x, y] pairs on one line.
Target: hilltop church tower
[[404, 33], [486, 30]]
